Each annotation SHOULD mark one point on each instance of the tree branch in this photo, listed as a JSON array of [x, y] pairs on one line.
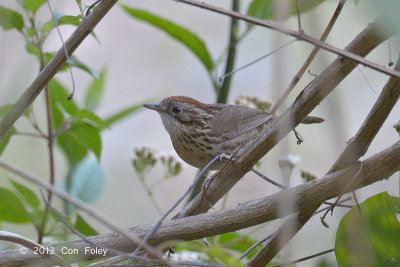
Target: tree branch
[[48, 72], [375, 168], [310, 58], [222, 94], [356, 148], [83, 206], [298, 35], [280, 126]]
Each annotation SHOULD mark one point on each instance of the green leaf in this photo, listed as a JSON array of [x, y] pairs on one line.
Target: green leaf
[[262, 9], [28, 195], [225, 258], [59, 97], [236, 242], [31, 5], [75, 62], [94, 92], [87, 181], [32, 49], [371, 238], [123, 113], [4, 109], [231, 242], [78, 139], [10, 19], [11, 208], [71, 20], [6, 138], [265, 9], [397, 127], [307, 176], [85, 115], [186, 37], [82, 226]]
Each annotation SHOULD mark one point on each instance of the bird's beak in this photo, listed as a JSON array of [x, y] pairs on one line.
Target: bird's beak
[[155, 107]]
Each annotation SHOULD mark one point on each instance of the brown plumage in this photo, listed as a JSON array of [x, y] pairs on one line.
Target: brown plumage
[[199, 131]]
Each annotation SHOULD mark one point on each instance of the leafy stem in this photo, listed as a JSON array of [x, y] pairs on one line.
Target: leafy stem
[[50, 128], [223, 91]]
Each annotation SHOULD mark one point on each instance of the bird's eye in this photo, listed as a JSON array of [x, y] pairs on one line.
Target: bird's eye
[[176, 110]]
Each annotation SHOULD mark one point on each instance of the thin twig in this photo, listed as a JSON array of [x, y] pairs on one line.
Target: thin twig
[[84, 207], [150, 195], [26, 242], [305, 258], [377, 167], [228, 74], [83, 237], [29, 134], [366, 79], [157, 225], [348, 185], [65, 50], [356, 147], [49, 135], [310, 58], [390, 53], [298, 16], [62, 128], [356, 200], [300, 36], [30, 94], [267, 179], [254, 246], [32, 119]]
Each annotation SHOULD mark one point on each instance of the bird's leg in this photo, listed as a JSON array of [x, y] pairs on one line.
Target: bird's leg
[[211, 178], [298, 136]]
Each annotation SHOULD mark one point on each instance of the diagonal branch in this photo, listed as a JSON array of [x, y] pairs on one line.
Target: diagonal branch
[[298, 35], [112, 224], [380, 166], [48, 72], [279, 127], [310, 57], [356, 148]]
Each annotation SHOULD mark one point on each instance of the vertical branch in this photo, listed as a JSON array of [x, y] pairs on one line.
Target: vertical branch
[[233, 40], [50, 143], [223, 90], [298, 16]]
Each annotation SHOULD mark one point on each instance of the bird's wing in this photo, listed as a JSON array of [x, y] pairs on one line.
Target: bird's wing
[[233, 121]]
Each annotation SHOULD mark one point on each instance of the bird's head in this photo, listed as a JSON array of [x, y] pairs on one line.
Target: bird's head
[[178, 112]]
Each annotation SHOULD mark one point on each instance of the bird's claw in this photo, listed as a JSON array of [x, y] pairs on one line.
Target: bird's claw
[[224, 156]]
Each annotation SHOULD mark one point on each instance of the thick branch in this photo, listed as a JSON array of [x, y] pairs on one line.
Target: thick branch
[[358, 145], [375, 168], [310, 97], [82, 206], [356, 148], [48, 72]]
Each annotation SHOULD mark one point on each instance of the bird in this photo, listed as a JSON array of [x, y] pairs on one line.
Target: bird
[[199, 132]]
